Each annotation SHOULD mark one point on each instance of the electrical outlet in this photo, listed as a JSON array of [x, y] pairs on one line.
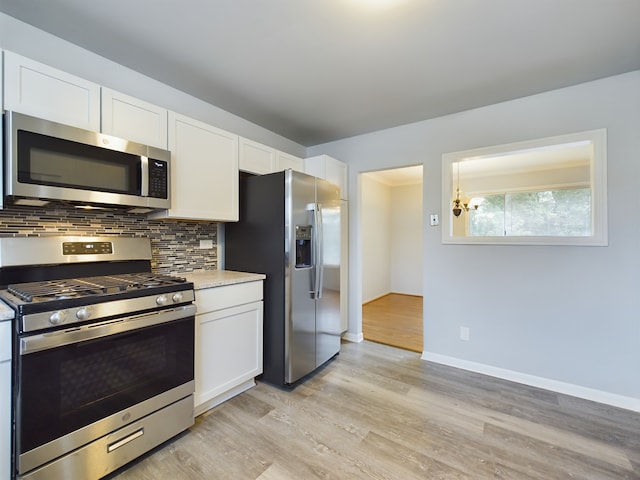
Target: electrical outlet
[[464, 333], [206, 244]]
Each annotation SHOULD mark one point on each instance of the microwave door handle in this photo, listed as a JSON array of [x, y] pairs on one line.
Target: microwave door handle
[[144, 176]]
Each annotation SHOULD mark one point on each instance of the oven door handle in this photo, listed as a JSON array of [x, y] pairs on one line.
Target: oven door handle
[[45, 341]]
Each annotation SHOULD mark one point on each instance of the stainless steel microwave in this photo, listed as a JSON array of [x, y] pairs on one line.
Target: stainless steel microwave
[[47, 161]]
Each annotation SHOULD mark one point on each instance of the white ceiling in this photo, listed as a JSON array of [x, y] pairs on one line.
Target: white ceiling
[[320, 70]]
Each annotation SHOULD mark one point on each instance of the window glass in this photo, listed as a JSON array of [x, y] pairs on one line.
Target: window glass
[[551, 212]]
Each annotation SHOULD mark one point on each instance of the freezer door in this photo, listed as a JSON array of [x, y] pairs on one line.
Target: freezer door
[[300, 317], [328, 271]]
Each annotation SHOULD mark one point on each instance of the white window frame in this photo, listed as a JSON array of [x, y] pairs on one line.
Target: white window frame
[[598, 174]]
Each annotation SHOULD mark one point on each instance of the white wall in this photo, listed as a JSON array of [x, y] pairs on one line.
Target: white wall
[[376, 232], [406, 239], [564, 315], [43, 47]]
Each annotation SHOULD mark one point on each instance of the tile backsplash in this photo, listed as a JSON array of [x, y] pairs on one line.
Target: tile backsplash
[[174, 244]]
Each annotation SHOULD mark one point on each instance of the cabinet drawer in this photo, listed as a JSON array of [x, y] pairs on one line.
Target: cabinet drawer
[[217, 298]]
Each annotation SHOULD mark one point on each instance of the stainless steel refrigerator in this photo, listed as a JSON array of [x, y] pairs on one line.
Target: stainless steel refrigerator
[[289, 229]]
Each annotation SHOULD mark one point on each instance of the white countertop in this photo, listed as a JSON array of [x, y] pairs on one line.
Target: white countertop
[[6, 313], [219, 278]]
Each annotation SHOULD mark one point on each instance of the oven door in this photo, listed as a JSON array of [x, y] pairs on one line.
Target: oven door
[[77, 385]]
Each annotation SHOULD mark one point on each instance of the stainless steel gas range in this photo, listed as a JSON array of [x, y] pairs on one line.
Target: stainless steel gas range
[[102, 354]]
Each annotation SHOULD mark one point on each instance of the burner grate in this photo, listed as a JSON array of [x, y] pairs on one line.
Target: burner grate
[[82, 287]]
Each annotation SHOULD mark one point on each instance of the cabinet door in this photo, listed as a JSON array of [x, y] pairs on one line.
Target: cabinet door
[[41, 91], [127, 117], [328, 168], [5, 399], [284, 161], [204, 171], [5, 419], [315, 166], [228, 349], [255, 157], [336, 173]]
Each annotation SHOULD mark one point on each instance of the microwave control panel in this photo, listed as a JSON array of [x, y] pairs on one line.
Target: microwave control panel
[[158, 178]]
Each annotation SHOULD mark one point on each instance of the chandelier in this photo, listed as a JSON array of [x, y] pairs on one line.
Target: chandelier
[[458, 205]]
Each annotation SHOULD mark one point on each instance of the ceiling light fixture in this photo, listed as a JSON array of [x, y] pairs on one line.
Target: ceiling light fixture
[[459, 205]]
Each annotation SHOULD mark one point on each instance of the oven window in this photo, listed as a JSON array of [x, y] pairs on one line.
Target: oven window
[[45, 160], [69, 387]]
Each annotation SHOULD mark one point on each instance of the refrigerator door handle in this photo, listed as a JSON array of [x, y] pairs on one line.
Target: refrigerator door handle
[[320, 251], [313, 272]]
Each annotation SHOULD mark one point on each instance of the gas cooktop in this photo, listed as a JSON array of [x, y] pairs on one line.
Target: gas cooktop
[[83, 287], [55, 282]]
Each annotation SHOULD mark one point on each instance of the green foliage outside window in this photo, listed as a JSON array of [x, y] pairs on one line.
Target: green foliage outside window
[[565, 213]]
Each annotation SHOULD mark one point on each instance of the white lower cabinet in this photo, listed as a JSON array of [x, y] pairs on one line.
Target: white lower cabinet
[[228, 342], [5, 399]]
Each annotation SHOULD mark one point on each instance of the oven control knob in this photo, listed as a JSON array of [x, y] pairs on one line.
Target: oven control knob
[[177, 297], [83, 314], [56, 318], [161, 300]]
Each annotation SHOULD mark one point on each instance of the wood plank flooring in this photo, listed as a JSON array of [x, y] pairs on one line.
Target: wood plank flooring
[[379, 412], [395, 320]]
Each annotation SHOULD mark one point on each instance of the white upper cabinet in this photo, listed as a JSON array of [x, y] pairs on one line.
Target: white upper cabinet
[[285, 160], [45, 92], [127, 117], [204, 171], [255, 157], [328, 168]]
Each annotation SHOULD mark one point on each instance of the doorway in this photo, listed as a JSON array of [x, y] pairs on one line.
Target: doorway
[[391, 226]]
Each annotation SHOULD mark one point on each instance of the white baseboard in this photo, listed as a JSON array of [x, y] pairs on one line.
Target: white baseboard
[[353, 337], [621, 401]]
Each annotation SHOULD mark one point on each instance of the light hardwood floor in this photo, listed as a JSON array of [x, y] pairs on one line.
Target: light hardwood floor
[[394, 320], [378, 412]]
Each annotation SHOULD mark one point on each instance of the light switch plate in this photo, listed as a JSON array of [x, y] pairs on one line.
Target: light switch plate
[[434, 220], [206, 244]]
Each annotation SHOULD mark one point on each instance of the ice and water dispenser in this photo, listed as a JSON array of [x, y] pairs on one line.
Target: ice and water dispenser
[[304, 248]]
